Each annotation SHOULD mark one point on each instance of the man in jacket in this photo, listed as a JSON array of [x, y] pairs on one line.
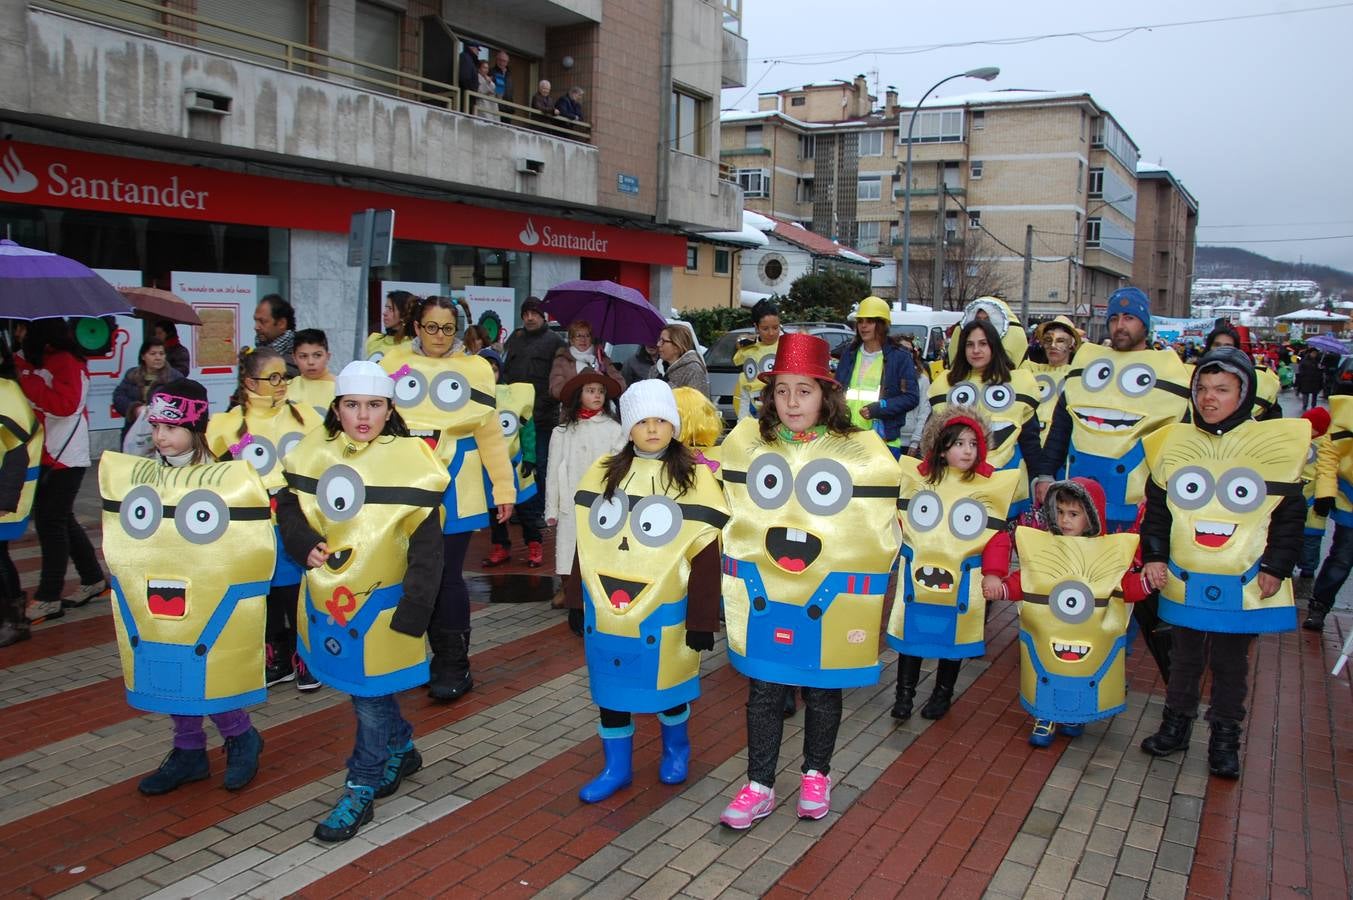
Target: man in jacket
[[530, 353]]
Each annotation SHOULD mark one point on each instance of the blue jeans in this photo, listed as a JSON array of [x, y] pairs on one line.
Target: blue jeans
[[1310, 553], [380, 727], [1334, 572]]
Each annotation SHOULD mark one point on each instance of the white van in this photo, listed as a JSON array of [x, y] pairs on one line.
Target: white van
[[927, 328]]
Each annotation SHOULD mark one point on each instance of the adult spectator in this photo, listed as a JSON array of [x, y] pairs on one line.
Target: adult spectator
[[397, 322], [879, 378], [485, 108], [175, 353], [467, 69], [681, 362], [570, 106], [580, 355], [1310, 378], [52, 375], [1329, 367], [916, 419], [640, 365], [502, 77], [541, 101], [530, 352], [275, 328], [134, 390]]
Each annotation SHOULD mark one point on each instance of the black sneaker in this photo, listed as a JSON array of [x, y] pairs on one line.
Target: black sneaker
[[305, 680], [278, 667]]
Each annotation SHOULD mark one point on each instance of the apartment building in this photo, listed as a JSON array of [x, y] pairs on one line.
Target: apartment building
[[986, 168], [1167, 227]]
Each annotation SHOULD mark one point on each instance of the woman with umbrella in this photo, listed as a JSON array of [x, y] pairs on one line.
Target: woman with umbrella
[[681, 362], [580, 355], [1310, 378]]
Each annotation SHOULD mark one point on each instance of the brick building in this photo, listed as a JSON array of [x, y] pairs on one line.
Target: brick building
[[1167, 225]]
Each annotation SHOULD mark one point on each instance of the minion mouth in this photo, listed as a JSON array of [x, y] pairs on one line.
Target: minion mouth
[[429, 435], [621, 593], [1101, 419], [338, 559], [1212, 534], [935, 578], [793, 549], [1068, 652], [167, 597], [1000, 433]]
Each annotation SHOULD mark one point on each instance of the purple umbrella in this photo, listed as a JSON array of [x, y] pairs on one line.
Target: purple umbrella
[[1327, 344], [617, 314], [39, 285]]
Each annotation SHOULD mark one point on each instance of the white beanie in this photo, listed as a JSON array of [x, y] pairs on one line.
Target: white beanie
[[364, 378], [647, 399]]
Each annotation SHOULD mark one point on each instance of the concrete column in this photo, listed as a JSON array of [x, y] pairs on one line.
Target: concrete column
[[15, 85], [324, 289]]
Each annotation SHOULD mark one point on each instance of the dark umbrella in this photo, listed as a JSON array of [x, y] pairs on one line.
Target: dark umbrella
[[617, 314], [153, 303], [39, 285]]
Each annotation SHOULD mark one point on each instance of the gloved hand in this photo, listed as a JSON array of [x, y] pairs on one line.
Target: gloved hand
[[700, 640], [575, 621], [870, 410], [527, 468], [1323, 506]]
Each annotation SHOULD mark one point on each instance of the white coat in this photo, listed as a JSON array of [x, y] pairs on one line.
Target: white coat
[[573, 449]]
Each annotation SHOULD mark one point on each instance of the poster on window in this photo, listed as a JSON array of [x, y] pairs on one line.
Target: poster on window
[[499, 300], [225, 303], [108, 363]]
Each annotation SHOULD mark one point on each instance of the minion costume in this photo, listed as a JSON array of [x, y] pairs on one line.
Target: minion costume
[[1049, 377], [1334, 497], [316, 393], [371, 507], [1223, 510], [21, 450], [1008, 326], [515, 405], [648, 561], [1316, 523], [752, 361]]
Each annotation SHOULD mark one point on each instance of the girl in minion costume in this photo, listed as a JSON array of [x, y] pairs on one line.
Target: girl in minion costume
[[1316, 524], [262, 427], [648, 583], [516, 403], [361, 508], [754, 356], [20, 462], [190, 546], [449, 399], [954, 509], [807, 550], [1058, 340], [879, 377]]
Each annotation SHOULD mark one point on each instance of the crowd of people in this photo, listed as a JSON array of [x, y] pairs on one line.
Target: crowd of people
[[1111, 489]]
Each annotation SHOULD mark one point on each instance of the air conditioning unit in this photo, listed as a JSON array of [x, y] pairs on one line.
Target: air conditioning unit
[[528, 166]]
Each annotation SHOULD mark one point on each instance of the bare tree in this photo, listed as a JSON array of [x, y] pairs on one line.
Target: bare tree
[[970, 271]]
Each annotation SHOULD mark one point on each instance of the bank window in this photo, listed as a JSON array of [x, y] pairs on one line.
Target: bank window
[[870, 187], [689, 118], [753, 140], [692, 257], [871, 143], [754, 182], [722, 260]]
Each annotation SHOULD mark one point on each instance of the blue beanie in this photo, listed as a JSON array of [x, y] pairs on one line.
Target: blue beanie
[[1132, 301], [492, 356]]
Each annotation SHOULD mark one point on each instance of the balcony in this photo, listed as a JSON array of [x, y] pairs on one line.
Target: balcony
[[710, 196], [734, 57]]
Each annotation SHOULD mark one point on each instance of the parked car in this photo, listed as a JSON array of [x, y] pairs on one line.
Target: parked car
[[723, 375], [1343, 378]]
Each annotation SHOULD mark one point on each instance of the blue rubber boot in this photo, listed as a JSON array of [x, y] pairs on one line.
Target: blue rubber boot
[[618, 745], [676, 748]]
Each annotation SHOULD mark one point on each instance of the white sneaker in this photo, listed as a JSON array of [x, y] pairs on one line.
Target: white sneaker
[[43, 610], [86, 593], [753, 802]]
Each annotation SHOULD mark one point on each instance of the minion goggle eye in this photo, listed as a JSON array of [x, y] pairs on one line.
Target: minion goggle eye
[[201, 517], [410, 388], [1069, 601], [1137, 380], [964, 393], [924, 510], [340, 493], [510, 422], [607, 517], [656, 520], [450, 391], [1241, 490], [998, 397], [260, 453], [1047, 387], [1191, 487], [1097, 375]]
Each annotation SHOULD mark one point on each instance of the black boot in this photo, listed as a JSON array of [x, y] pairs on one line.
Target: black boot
[[908, 673], [1172, 736], [942, 697], [1223, 749], [13, 621], [450, 675], [1315, 616]]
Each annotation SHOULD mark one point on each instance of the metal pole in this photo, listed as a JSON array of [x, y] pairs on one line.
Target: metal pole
[[1028, 273], [363, 284]]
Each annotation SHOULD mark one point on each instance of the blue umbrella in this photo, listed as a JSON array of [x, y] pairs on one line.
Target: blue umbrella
[[35, 284], [617, 314]]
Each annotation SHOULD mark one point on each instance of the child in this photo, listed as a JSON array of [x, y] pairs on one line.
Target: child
[[397, 322], [1073, 621], [954, 508], [21, 446], [811, 536], [1314, 532], [362, 511], [648, 573], [166, 622], [515, 405], [315, 385], [262, 427], [588, 429], [755, 355]]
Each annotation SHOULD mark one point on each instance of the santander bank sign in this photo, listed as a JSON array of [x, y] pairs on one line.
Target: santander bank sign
[[65, 181]]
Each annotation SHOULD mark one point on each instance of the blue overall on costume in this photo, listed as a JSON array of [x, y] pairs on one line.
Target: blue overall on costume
[[1342, 517], [523, 494], [1112, 473], [936, 624], [452, 520], [337, 653], [12, 531], [285, 572], [623, 671], [1073, 700], [784, 640], [1217, 603], [172, 678]]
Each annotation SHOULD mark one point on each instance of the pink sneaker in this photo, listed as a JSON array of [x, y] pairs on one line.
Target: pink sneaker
[[753, 802], [815, 795]]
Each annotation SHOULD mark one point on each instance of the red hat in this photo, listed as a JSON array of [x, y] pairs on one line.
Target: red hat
[[801, 354], [1319, 417]]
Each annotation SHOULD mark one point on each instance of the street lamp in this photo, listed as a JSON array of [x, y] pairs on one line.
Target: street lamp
[[986, 73]]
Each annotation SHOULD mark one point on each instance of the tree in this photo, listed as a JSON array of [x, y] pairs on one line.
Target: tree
[[1280, 303], [826, 296], [970, 271]]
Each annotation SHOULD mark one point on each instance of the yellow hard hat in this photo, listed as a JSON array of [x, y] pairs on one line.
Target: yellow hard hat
[[874, 308]]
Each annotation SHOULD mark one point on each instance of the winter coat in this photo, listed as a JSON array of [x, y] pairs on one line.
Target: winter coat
[[898, 390], [177, 356], [134, 390], [565, 367], [688, 371], [916, 419], [528, 356], [573, 450], [1310, 377], [59, 392]]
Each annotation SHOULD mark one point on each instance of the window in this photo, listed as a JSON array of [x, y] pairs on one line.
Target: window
[[798, 101], [974, 218], [951, 176], [1110, 137], [868, 239], [975, 167], [690, 117], [944, 126], [803, 191], [722, 260], [870, 187], [1092, 233], [979, 119], [871, 143], [692, 257], [1108, 236], [950, 225], [807, 146], [753, 136], [377, 35], [754, 182], [1097, 182]]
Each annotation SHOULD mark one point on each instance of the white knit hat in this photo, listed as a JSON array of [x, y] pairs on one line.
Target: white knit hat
[[646, 399], [364, 378]]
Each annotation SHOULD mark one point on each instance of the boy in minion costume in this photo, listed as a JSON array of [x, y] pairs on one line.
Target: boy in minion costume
[[516, 404], [648, 571], [1316, 523], [1221, 533], [20, 465]]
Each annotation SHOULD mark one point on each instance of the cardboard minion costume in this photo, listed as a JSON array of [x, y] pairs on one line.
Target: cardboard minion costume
[[1047, 376], [648, 561], [752, 361], [516, 402], [21, 448]]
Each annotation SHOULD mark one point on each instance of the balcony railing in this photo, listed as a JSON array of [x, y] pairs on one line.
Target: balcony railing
[[496, 109]]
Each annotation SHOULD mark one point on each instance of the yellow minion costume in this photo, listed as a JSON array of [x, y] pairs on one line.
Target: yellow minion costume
[[1050, 377], [516, 403], [21, 435], [1008, 326], [190, 635], [1009, 406], [316, 393], [752, 361]]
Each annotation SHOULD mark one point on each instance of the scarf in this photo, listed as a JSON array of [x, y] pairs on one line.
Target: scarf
[[808, 434], [584, 413], [584, 359], [284, 343], [178, 459]]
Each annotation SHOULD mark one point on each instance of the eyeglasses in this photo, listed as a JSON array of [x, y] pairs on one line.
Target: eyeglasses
[[1060, 340], [663, 340], [275, 379], [449, 329]]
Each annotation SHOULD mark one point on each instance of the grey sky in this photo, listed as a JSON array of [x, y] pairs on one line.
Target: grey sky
[[1252, 116]]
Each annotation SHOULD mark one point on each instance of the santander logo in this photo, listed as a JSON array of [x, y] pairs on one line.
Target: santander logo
[[528, 234], [561, 240], [14, 178]]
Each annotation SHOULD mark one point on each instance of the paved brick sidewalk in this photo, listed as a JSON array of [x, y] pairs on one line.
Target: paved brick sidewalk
[[962, 807]]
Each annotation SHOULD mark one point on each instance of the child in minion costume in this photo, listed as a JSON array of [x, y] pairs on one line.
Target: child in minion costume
[[954, 510], [516, 404], [1060, 340], [190, 547], [1003, 318], [754, 357], [361, 508], [1316, 524], [20, 465], [1333, 498], [648, 572], [1221, 533], [807, 552]]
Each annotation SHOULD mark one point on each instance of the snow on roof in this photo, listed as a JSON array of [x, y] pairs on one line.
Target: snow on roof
[[752, 298], [738, 115], [816, 244], [1010, 95], [1312, 315], [757, 221], [1143, 166], [749, 236]]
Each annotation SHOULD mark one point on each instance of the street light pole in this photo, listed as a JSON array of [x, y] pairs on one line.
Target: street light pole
[[986, 73]]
